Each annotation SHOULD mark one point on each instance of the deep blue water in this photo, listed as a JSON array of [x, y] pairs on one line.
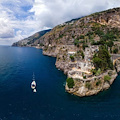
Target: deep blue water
[[51, 102]]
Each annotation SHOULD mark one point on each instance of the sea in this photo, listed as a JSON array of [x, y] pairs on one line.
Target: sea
[[51, 101]]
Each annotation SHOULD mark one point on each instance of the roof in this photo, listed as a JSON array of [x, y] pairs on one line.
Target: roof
[[72, 52]]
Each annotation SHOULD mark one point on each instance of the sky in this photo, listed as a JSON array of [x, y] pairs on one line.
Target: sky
[[22, 18]]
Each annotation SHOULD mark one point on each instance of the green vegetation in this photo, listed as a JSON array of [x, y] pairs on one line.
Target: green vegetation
[[110, 43], [76, 42], [98, 72], [107, 36], [102, 59], [82, 54], [115, 50], [110, 73], [84, 77], [29, 42], [84, 46], [88, 85], [99, 32], [93, 71], [107, 78], [41, 44], [81, 37], [72, 58], [61, 35], [89, 34], [98, 82], [70, 82]]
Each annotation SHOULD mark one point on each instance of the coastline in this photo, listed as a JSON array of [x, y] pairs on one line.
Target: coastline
[[83, 49], [82, 91], [79, 89]]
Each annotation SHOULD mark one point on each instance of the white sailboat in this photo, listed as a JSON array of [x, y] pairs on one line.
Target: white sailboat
[[33, 84]]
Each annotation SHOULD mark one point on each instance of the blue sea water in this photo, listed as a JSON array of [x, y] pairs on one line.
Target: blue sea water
[[51, 102]]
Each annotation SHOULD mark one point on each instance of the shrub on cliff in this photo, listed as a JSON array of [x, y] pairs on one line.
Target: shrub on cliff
[[115, 50], [82, 37], [76, 42], [98, 82], [88, 85], [82, 54], [107, 78], [72, 58], [110, 43], [84, 46], [70, 82], [93, 71], [84, 77], [98, 72]]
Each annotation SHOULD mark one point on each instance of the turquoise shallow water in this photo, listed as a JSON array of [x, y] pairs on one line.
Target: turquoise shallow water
[[51, 102]]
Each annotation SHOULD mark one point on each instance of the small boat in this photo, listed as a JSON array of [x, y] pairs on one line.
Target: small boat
[[33, 84], [34, 90]]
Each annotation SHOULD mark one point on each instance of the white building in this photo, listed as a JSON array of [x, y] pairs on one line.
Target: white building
[[85, 66], [71, 53]]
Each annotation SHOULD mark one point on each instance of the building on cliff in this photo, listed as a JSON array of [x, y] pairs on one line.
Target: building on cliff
[[83, 68], [90, 51]]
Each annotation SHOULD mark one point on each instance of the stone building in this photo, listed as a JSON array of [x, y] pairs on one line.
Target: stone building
[[90, 51]]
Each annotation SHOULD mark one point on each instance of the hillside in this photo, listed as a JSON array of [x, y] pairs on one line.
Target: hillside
[[83, 49], [30, 40], [92, 29], [87, 30]]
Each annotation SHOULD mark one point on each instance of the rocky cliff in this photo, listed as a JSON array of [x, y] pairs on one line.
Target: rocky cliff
[[30, 40], [75, 35], [74, 45], [88, 29]]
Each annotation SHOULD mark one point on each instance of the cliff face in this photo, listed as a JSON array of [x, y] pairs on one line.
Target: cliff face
[[87, 28], [74, 45], [77, 34], [70, 42], [30, 40], [78, 29]]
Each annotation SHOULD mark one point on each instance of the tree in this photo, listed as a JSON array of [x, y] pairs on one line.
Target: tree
[[110, 43], [76, 42], [97, 62], [98, 82], [84, 46], [102, 59], [82, 54], [72, 58], [70, 82], [81, 37], [115, 50]]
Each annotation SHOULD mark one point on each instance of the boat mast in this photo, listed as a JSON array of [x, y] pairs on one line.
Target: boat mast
[[33, 76]]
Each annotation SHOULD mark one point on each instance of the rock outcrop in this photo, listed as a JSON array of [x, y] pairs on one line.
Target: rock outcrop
[[93, 86]]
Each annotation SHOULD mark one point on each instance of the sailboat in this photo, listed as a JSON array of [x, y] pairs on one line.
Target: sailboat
[[33, 84]]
